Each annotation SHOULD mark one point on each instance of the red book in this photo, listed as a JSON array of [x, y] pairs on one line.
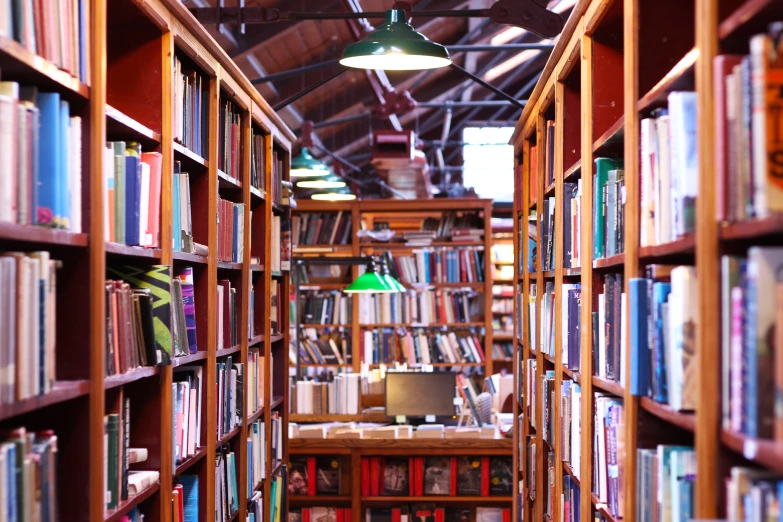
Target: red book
[[396, 515], [375, 476], [412, 477], [178, 499], [463, 271], [340, 515], [453, 488], [533, 174], [439, 512], [365, 477], [311, 480], [417, 486], [348, 515], [723, 66], [306, 515], [484, 476], [506, 515]]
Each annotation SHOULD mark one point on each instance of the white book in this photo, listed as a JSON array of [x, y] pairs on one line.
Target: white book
[[75, 177], [601, 410], [185, 411], [682, 310], [138, 481], [760, 50], [684, 160], [663, 207], [647, 182], [8, 151], [144, 210]]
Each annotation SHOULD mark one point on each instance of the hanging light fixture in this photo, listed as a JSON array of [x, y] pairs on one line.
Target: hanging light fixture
[[391, 281], [343, 194], [370, 282], [304, 165], [329, 182], [395, 46]]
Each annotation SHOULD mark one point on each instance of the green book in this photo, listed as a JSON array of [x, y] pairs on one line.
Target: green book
[[602, 168], [119, 191], [234, 494], [113, 431]]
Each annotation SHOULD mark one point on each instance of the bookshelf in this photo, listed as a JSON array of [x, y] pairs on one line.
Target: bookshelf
[[128, 96], [502, 298], [615, 64]]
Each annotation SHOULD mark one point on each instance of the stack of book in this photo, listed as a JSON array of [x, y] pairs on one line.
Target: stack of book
[[332, 307], [41, 159], [572, 224], [281, 244], [186, 395], [571, 424], [669, 171], [231, 231], [546, 245], [531, 317], [327, 228], [277, 177], [608, 208], [191, 108], [455, 224], [185, 499], [340, 395], [531, 390], [24, 455], [609, 454], [608, 321], [181, 217], [132, 184], [134, 313], [570, 500], [502, 350], [502, 305], [664, 484], [28, 318], [256, 455], [255, 381], [419, 346], [121, 483], [227, 315], [423, 307], [184, 316], [257, 158], [437, 265], [328, 346], [336, 514], [230, 153], [753, 494], [226, 485], [230, 379], [663, 335]]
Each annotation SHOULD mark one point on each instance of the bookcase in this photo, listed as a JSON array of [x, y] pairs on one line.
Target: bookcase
[[130, 93], [400, 215], [616, 66], [502, 299]]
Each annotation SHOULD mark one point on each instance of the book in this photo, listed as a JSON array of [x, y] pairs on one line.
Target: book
[[257, 158], [190, 105], [437, 265], [186, 307], [23, 455], [186, 400], [420, 346], [600, 180], [501, 476], [437, 476], [230, 139], [664, 485], [336, 394], [469, 476], [327, 476], [422, 307]]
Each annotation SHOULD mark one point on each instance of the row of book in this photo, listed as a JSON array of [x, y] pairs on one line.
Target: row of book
[[570, 499], [331, 307], [313, 514], [256, 455], [132, 185], [663, 336], [420, 346], [608, 327], [255, 380], [230, 380], [572, 224], [226, 484], [41, 159], [437, 476], [281, 244], [278, 183], [664, 484], [502, 350], [185, 499], [122, 482], [277, 501], [502, 305], [59, 33], [431, 513], [745, 104], [186, 397], [438, 265], [753, 494], [257, 159], [181, 216], [322, 228], [547, 406], [329, 346], [609, 453], [531, 391], [24, 455], [669, 171], [338, 395], [571, 424], [456, 225], [227, 316], [230, 127], [275, 308], [546, 244], [423, 307], [191, 108], [608, 208], [231, 231], [183, 299], [28, 321]]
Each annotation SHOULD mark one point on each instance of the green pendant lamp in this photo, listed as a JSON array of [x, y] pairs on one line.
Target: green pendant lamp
[[329, 182], [304, 165], [370, 282], [343, 194], [395, 46], [391, 281]]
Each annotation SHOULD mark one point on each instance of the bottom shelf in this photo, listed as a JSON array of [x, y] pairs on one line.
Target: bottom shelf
[[126, 505]]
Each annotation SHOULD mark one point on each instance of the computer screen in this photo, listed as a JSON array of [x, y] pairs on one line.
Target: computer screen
[[418, 394]]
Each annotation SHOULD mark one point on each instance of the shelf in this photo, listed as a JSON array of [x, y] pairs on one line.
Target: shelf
[[502, 336], [415, 286], [228, 351], [17, 62], [256, 193], [549, 274], [325, 365], [279, 209], [321, 249], [608, 386], [187, 257], [570, 472], [684, 246], [42, 235], [401, 446], [225, 439], [602, 509], [233, 516], [572, 272], [226, 181], [258, 339], [549, 358], [752, 229], [573, 170], [615, 261], [322, 499], [686, 421], [257, 415], [766, 452], [549, 191], [441, 499], [116, 249], [572, 374], [142, 372], [62, 391], [680, 78], [496, 281], [502, 313], [181, 152], [120, 126], [227, 265], [333, 417], [611, 142], [126, 505], [190, 461], [256, 267], [750, 17], [276, 401], [276, 337], [187, 359]]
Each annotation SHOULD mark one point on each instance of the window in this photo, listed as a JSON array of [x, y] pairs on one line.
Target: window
[[489, 162]]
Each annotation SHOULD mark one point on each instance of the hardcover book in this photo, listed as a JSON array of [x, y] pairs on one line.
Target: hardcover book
[[437, 475], [327, 476], [501, 477], [469, 476], [396, 477]]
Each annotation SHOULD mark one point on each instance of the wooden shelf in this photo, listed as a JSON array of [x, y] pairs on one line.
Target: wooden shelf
[[573, 375], [325, 325], [571, 173], [186, 464], [611, 142], [276, 337], [572, 272], [186, 257], [228, 351], [258, 339], [549, 274], [258, 194], [42, 235], [752, 229], [435, 243], [142, 372], [549, 191], [768, 453], [62, 391], [608, 386], [256, 268], [183, 153], [126, 505], [686, 421], [403, 446], [549, 358], [120, 126], [750, 17], [16, 60], [360, 417], [319, 499], [276, 401], [325, 365], [189, 359], [474, 285], [225, 439], [257, 415], [680, 78], [602, 509], [226, 181], [570, 472], [227, 265], [438, 499], [684, 246], [417, 325], [615, 261], [116, 249], [320, 249]]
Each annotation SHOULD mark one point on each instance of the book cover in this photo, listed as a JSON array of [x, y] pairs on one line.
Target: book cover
[[396, 477], [501, 476], [327, 476], [297, 476], [185, 275], [437, 475], [469, 472]]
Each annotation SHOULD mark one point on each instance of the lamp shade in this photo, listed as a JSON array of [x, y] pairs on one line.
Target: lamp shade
[[304, 165], [328, 182], [343, 194], [370, 282], [393, 283], [395, 46]]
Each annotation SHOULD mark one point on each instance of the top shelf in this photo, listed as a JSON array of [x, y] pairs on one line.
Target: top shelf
[[681, 77], [122, 126]]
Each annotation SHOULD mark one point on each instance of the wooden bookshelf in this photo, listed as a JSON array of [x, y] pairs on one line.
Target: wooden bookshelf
[[128, 96], [625, 71]]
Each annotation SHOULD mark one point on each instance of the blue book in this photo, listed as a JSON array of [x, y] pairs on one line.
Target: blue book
[[13, 508], [640, 353], [189, 497], [49, 154], [62, 210], [661, 293], [132, 199], [175, 211], [479, 266], [272, 504]]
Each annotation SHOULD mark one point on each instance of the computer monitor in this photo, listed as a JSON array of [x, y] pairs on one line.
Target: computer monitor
[[420, 394]]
